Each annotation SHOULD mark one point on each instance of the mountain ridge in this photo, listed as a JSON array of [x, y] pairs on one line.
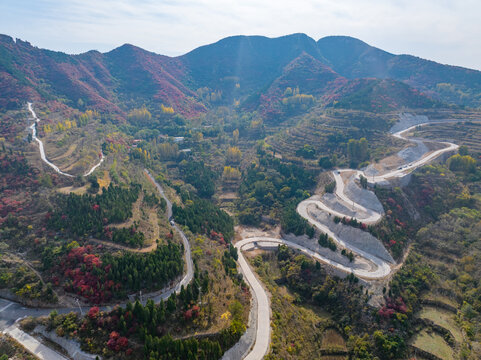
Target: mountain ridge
[[234, 68]]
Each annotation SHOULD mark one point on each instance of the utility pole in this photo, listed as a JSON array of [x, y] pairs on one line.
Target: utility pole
[[78, 303]]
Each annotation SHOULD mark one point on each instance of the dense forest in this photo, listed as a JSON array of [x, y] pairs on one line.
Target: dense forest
[[84, 215], [203, 217], [199, 176], [144, 331], [99, 278], [292, 222], [149, 271], [88, 214], [272, 188]]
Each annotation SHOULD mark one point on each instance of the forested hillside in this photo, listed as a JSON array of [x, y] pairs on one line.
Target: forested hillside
[[112, 81], [139, 193]]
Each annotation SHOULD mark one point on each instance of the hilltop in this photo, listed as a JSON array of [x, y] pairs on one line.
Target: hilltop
[[246, 70]]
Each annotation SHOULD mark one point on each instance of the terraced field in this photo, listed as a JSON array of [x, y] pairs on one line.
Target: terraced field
[[442, 318], [73, 150], [431, 296], [85, 153], [332, 342], [433, 344], [328, 134], [464, 133]]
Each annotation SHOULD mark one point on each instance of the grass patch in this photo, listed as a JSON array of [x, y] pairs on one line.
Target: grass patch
[[441, 299], [434, 344], [332, 341], [105, 180], [71, 189], [13, 349], [442, 318]]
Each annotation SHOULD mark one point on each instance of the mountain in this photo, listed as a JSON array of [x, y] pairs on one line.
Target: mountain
[[309, 74], [45, 74], [251, 61], [102, 81], [252, 70], [305, 73], [380, 95], [353, 58], [142, 75]]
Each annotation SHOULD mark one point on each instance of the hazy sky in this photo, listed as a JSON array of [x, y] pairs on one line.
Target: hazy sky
[[447, 31]]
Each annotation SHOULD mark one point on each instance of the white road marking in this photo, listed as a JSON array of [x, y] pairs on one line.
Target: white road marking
[[6, 307]]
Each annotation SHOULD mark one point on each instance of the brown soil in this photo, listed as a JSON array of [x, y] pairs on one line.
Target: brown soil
[[76, 190]]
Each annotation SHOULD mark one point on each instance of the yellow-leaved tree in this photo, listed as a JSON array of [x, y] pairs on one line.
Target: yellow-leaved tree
[[231, 174], [234, 155], [166, 109], [140, 116]]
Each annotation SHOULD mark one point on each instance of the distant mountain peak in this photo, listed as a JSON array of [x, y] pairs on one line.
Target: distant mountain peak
[[343, 38], [128, 49], [236, 68]]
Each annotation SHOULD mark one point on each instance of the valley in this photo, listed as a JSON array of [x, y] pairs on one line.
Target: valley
[[180, 217]]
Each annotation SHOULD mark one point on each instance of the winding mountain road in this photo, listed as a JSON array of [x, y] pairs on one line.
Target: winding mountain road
[[16, 310], [11, 311], [189, 274], [258, 346], [380, 269], [33, 127]]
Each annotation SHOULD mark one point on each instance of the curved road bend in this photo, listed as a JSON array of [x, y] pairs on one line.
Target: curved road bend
[[187, 253], [262, 341], [380, 270], [11, 311], [33, 127]]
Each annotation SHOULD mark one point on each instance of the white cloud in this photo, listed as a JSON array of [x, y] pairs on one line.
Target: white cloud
[[442, 30]]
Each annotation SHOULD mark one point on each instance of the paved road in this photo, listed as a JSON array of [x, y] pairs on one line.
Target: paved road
[[102, 158], [33, 127], [406, 169], [263, 331], [10, 311], [380, 268], [187, 253], [33, 345]]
